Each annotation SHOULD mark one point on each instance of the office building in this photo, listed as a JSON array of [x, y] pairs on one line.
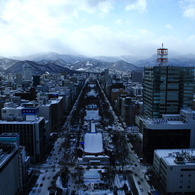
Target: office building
[[167, 89], [176, 170], [19, 79], [129, 108], [27, 95], [11, 140], [31, 128], [137, 76], [57, 110], [27, 71], [36, 80], [171, 131], [9, 173]]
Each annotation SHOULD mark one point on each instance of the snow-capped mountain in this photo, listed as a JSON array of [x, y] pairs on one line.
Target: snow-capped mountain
[[38, 68], [6, 63], [55, 63]]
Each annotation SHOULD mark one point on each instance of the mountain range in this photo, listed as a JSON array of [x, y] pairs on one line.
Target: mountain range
[[55, 63]]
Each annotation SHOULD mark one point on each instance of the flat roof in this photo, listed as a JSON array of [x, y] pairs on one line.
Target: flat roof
[[158, 124], [168, 155], [22, 122]]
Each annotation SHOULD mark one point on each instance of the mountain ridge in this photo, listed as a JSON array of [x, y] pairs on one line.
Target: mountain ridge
[[54, 63]]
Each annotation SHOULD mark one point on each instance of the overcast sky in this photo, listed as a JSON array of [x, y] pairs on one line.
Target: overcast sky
[[96, 27]]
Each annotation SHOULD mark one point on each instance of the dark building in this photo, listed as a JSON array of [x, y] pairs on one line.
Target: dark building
[[164, 139], [167, 89], [137, 76], [57, 110], [130, 108], [32, 135], [31, 95], [36, 80]]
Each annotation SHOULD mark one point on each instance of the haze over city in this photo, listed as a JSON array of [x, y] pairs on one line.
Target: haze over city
[[100, 27]]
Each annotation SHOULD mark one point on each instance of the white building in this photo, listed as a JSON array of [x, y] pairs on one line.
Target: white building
[[176, 169]]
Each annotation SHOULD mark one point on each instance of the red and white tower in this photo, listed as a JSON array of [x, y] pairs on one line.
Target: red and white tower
[[162, 56]]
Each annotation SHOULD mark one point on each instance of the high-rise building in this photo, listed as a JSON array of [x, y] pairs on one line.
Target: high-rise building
[[27, 71], [19, 78], [9, 172], [36, 80], [167, 89], [31, 128]]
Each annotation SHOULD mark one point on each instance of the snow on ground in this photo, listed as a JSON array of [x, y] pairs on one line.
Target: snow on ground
[[93, 143], [59, 185]]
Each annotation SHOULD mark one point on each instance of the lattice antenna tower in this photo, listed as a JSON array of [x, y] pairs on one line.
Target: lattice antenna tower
[[162, 56]]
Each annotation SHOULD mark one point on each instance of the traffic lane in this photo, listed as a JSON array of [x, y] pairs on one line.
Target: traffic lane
[[139, 171], [44, 181], [48, 170]]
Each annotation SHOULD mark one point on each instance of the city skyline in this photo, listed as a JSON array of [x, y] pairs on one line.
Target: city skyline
[[101, 27]]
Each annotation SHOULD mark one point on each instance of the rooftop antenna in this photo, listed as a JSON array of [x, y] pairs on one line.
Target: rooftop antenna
[[162, 56]]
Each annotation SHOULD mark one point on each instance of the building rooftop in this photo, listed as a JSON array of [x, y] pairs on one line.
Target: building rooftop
[[175, 157], [164, 124], [36, 120]]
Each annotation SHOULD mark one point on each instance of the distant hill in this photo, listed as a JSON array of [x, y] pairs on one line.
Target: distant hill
[[6, 63], [38, 68], [126, 58], [52, 56], [123, 66], [54, 63]]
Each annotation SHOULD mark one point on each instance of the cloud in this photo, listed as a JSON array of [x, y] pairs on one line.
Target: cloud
[[100, 40], [68, 26], [118, 22], [139, 5], [168, 26], [189, 8]]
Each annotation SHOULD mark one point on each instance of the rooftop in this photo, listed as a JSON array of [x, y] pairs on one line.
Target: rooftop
[[175, 157]]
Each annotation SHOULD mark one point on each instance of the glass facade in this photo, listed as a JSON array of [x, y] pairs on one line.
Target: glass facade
[[164, 139], [30, 133], [167, 89]]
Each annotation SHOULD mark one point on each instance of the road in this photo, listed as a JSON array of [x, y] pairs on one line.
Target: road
[[139, 171], [49, 170]]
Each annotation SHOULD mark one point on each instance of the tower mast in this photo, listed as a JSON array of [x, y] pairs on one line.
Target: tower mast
[[162, 56]]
